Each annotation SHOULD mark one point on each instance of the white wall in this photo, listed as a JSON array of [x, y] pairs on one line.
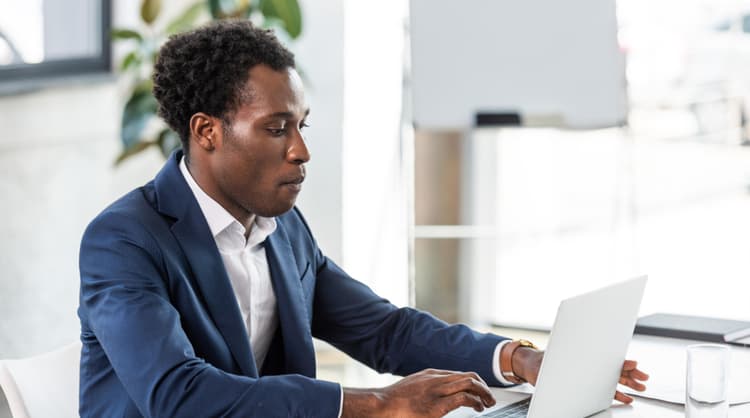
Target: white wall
[[375, 223], [319, 54], [56, 155]]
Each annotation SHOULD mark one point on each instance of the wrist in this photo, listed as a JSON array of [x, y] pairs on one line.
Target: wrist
[[514, 356], [365, 403], [522, 357]]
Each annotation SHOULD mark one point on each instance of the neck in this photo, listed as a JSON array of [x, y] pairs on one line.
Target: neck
[[245, 218]]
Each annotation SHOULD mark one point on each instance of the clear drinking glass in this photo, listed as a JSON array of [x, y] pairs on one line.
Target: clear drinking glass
[[707, 386]]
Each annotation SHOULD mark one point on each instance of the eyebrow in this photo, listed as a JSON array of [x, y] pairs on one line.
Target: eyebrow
[[286, 115]]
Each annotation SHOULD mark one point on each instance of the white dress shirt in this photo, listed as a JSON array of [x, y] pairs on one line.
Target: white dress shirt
[[246, 265]]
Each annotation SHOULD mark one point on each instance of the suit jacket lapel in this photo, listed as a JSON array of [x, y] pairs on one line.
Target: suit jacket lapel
[[293, 319], [191, 229]]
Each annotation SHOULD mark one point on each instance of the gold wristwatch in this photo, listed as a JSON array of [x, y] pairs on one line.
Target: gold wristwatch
[[506, 359]]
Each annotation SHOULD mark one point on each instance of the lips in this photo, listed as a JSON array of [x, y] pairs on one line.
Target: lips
[[297, 180], [294, 181], [293, 184]]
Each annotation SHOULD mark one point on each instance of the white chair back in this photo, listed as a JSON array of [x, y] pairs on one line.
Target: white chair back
[[43, 386]]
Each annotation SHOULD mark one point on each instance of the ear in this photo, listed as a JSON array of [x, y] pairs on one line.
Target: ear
[[205, 131]]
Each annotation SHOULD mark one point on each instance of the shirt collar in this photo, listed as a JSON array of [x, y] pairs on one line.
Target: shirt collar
[[219, 219]]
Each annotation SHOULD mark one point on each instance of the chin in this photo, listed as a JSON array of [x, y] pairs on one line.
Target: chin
[[274, 211]]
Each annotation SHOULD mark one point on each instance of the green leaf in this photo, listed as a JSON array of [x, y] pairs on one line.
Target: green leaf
[[214, 6], [139, 109], [133, 150], [145, 85], [130, 60], [126, 34], [186, 19], [150, 10], [288, 11], [275, 23], [168, 141]]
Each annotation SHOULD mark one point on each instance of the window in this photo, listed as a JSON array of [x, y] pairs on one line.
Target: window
[[40, 39]]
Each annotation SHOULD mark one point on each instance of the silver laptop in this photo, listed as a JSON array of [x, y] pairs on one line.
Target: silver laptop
[[583, 360]]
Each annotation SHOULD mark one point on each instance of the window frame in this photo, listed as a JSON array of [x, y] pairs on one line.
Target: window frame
[[38, 73]]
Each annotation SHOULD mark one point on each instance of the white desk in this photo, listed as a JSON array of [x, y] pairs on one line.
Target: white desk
[[640, 408], [646, 408], [664, 359]]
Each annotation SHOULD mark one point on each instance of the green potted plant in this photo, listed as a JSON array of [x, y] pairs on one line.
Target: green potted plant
[[140, 127]]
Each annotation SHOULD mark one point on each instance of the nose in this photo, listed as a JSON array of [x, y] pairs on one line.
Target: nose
[[297, 152]]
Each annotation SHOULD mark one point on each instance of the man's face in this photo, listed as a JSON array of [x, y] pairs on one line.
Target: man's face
[[258, 166]]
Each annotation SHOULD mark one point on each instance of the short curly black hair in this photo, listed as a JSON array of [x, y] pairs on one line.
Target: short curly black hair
[[204, 70]]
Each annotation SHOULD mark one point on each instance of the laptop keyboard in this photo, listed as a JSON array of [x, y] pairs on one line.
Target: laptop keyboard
[[519, 409]]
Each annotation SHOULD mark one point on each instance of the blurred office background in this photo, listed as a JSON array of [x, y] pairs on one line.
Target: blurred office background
[[488, 226], [524, 217]]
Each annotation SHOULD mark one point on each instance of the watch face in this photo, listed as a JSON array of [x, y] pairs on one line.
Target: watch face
[[526, 343]]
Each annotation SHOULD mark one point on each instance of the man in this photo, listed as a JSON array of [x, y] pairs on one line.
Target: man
[[201, 291]]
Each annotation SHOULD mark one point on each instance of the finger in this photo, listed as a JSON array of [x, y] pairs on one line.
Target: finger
[[439, 372], [450, 376], [456, 400], [468, 381], [619, 396], [628, 365], [469, 384], [638, 375], [632, 384]]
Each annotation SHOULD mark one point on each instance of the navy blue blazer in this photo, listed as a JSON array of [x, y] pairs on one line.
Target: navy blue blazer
[[163, 336]]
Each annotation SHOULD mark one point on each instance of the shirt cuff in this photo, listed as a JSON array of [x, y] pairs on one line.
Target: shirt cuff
[[341, 402], [496, 365]]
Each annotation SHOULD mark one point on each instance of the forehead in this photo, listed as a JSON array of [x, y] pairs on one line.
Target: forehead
[[270, 91]]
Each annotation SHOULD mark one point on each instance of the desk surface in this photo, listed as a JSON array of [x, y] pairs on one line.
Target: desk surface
[[640, 408], [646, 408], [664, 359]]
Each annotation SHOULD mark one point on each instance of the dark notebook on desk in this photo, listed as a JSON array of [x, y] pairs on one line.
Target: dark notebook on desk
[[695, 328]]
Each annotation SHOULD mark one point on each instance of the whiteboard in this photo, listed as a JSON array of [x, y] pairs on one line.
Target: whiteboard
[[553, 62]]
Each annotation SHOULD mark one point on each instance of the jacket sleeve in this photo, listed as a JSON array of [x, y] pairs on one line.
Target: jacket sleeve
[[351, 317], [125, 302]]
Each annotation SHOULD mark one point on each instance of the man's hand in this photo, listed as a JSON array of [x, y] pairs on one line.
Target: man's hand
[[429, 393], [630, 377], [527, 362]]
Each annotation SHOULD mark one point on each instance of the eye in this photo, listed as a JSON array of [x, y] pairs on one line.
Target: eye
[[276, 131], [303, 125]]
